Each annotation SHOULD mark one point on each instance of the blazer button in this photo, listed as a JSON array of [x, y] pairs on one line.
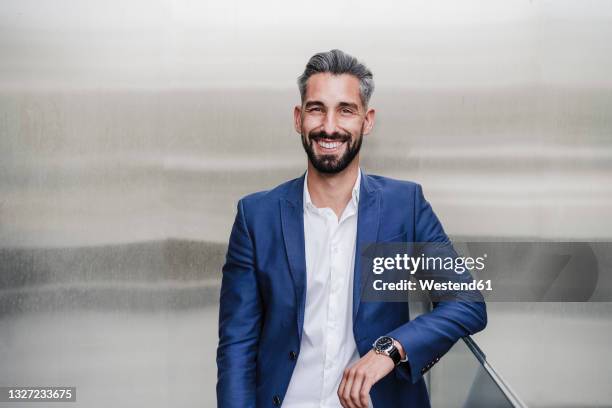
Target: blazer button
[[293, 355], [276, 400]]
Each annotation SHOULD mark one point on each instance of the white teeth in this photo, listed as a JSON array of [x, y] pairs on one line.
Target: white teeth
[[331, 145]]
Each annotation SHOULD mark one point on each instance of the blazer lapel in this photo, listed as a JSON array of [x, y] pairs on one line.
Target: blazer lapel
[[292, 220], [367, 232]]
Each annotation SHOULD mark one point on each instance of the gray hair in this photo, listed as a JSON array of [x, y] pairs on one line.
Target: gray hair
[[338, 62]]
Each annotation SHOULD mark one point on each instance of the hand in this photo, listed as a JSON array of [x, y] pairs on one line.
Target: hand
[[357, 380]]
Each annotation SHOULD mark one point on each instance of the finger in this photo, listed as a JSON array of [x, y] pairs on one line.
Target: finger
[[341, 389], [346, 393], [364, 394], [356, 388]]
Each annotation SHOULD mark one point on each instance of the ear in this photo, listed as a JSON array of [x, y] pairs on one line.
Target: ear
[[368, 124], [297, 118]]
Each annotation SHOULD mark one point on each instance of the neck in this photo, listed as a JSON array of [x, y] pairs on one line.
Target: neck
[[332, 190]]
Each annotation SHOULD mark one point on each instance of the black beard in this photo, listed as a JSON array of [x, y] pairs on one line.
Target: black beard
[[328, 163]]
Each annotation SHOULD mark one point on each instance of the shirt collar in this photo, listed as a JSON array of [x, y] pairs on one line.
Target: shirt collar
[[355, 193]]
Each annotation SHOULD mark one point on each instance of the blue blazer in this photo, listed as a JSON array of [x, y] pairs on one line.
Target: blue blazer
[[263, 295]]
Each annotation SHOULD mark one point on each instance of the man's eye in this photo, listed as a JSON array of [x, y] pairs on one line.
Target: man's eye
[[315, 109], [346, 110]]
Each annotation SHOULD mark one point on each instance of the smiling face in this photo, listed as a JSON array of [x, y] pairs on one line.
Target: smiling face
[[332, 121]]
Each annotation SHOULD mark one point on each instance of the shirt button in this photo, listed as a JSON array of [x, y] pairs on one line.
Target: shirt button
[[276, 400], [292, 355]]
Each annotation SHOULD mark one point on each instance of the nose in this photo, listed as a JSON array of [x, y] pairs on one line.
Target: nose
[[329, 123]]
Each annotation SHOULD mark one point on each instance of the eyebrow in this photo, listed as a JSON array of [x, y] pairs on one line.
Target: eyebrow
[[349, 105], [313, 103]]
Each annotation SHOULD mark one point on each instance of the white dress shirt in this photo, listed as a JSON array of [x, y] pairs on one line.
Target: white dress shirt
[[327, 345]]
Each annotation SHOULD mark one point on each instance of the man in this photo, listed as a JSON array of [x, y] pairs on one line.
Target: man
[[293, 330]]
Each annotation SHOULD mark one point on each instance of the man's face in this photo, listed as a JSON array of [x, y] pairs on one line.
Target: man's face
[[332, 121]]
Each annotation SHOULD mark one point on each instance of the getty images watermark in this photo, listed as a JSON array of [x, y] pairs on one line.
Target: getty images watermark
[[493, 271], [412, 264]]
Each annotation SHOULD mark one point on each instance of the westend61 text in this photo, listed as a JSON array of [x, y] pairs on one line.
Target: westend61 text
[[430, 284]]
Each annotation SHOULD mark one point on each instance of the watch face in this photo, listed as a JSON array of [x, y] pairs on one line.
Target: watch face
[[383, 343]]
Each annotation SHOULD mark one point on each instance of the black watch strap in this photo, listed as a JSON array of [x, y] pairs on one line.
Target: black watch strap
[[395, 355]]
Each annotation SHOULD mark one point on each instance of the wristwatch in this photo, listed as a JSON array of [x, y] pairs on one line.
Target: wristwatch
[[384, 345]]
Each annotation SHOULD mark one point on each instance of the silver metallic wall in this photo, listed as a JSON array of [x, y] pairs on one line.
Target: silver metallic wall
[[128, 131]]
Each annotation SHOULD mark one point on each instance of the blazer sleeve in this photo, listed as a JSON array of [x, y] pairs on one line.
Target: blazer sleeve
[[428, 337], [240, 316]]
